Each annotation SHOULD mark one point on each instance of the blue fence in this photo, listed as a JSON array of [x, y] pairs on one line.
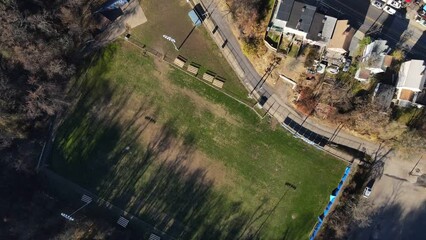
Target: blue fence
[[333, 195]]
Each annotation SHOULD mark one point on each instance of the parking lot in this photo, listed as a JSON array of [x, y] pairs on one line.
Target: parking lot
[[398, 208]]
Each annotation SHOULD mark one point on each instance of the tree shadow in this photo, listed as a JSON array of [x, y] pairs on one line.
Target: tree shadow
[[395, 31], [418, 51], [153, 180], [393, 222]]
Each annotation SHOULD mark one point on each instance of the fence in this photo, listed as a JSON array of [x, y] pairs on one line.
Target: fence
[[70, 190], [333, 196]]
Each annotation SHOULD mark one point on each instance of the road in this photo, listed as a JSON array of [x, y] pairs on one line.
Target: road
[[279, 108], [397, 29]]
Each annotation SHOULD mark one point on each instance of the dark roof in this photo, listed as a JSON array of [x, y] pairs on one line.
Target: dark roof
[[301, 16], [315, 32], [284, 10], [112, 14]]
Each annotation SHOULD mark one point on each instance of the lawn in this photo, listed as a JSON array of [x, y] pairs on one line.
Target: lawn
[[170, 18], [206, 168]]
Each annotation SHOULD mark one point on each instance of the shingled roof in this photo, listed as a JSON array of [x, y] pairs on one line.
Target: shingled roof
[[301, 16]]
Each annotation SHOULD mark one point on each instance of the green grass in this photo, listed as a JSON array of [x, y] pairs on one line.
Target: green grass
[[171, 18], [294, 50], [90, 150]]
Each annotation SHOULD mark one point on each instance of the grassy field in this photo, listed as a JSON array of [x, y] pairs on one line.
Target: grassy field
[[208, 168], [171, 18]]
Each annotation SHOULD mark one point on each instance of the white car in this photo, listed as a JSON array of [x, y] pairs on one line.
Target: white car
[[378, 4], [421, 21], [333, 69], [389, 10], [394, 4], [321, 68], [367, 192]]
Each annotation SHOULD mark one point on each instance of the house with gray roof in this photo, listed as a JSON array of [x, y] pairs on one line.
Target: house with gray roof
[[303, 20]]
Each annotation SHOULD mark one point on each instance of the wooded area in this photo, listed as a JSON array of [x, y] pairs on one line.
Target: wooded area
[[40, 45], [39, 51]]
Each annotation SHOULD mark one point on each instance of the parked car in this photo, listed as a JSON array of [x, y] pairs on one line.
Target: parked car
[[421, 21], [347, 65], [367, 192], [378, 4], [389, 10], [321, 68], [310, 71], [368, 188], [333, 69], [394, 4]]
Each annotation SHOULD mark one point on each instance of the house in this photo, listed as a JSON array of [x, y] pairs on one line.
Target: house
[[302, 20], [374, 60], [356, 39], [411, 83], [112, 9], [341, 39], [321, 30]]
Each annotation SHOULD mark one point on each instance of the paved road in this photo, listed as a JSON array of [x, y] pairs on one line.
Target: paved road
[[397, 29], [251, 78]]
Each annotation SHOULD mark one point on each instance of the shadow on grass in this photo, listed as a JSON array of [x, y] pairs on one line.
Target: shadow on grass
[[99, 151]]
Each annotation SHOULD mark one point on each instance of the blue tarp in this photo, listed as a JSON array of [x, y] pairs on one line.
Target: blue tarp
[[330, 203], [424, 8], [194, 18]]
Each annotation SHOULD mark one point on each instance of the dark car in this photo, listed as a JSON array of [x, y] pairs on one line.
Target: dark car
[[347, 65]]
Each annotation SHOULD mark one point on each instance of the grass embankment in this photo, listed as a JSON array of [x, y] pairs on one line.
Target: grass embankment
[[195, 44], [208, 168]]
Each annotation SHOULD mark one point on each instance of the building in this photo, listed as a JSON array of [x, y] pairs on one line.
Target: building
[[374, 60], [302, 20], [356, 39], [321, 30], [411, 83], [342, 37], [112, 9]]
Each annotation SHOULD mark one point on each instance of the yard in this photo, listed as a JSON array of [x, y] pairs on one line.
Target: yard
[[170, 18], [273, 38], [186, 158]]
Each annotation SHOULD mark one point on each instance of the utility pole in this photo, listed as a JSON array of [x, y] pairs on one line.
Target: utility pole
[[265, 76], [411, 172]]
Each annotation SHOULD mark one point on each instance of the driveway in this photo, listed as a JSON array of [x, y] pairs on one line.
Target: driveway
[[398, 204]]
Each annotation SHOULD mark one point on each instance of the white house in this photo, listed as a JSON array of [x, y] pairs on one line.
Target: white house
[[411, 82], [374, 60]]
